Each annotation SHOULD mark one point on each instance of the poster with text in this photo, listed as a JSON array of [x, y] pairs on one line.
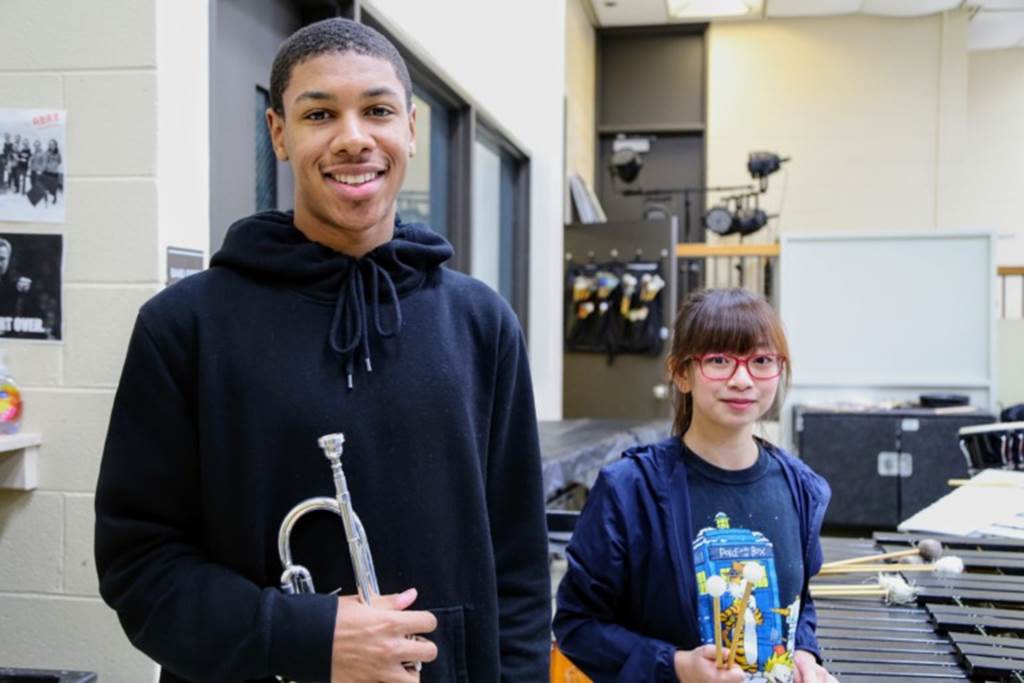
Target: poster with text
[[33, 158], [30, 286]]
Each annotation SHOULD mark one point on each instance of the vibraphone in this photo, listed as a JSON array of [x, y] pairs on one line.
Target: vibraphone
[[968, 626]]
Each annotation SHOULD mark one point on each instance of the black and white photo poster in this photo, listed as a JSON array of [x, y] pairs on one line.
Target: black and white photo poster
[[30, 286], [32, 162]]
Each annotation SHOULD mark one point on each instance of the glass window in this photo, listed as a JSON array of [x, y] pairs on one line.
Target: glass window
[[266, 161], [424, 196], [492, 240]]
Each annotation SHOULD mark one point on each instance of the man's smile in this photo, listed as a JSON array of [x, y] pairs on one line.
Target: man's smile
[[357, 185], [354, 179]]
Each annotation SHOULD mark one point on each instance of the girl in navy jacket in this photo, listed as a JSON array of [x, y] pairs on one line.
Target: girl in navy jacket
[[634, 605]]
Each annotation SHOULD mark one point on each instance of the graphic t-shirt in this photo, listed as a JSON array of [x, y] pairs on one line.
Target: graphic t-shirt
[[743, 516]]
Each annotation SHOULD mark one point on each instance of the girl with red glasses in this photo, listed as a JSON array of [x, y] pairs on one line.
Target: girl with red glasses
[[675, 523]]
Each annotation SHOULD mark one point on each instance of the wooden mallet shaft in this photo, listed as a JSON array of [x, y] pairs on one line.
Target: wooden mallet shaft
[[717, 601], [876, 568], [826, 587], [740, 623], [872, 558], [875, 593], [839, 591]]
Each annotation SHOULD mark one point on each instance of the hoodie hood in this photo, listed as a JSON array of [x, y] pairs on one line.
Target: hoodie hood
[[366, 291]]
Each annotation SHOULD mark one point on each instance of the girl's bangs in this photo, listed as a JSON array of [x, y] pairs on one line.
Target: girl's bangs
[[740, 329]]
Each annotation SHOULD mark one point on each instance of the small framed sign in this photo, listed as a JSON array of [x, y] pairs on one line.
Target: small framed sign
[[182, 262]]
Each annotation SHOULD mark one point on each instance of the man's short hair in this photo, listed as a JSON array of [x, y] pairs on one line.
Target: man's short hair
[[332, 36]]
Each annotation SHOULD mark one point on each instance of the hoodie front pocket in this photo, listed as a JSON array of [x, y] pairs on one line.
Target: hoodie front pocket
[[450, 638]]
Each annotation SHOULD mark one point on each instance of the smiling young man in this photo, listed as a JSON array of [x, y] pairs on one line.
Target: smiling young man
[[335, 318]]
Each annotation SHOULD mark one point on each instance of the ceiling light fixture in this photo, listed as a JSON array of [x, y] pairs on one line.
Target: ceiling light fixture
[[709, 9]]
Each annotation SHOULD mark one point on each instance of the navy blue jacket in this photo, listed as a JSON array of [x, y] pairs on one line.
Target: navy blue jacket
[[230, 377], [629, 598]]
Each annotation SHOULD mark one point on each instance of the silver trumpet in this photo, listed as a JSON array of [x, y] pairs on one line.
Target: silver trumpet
[[295, 578]]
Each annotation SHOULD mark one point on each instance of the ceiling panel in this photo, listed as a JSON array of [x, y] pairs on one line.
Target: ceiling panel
[[907, 8], [811, 8], [996, 31], [999, 23], [999, 4]]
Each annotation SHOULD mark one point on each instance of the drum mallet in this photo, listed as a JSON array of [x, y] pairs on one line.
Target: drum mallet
[[927, 548]]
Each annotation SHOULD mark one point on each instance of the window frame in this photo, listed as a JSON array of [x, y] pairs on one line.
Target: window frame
[[468, 122]]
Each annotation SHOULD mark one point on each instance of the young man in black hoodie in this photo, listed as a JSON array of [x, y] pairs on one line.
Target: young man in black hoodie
[[336, 318]]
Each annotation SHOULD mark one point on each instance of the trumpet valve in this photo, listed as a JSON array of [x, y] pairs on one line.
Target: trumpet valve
[[296, 579]]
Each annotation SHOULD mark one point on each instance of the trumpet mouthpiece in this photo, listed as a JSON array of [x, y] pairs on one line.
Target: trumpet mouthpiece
[[332, 444]]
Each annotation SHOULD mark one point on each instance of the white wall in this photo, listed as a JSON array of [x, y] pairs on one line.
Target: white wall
[[995, 160], [132, 76], [871, 109], [511, 60], [995, 182], [1009, 342], [183, 126]]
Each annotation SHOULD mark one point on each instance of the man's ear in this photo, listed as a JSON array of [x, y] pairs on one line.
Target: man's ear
[[275, 125]]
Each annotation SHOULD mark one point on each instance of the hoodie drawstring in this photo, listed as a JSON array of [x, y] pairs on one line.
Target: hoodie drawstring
[[350, 327]]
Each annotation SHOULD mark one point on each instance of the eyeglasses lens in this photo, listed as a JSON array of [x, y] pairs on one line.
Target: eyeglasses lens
[[759, 367]]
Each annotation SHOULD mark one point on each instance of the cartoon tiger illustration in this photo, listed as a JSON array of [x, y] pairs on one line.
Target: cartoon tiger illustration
[[779, 667], [746, 640]]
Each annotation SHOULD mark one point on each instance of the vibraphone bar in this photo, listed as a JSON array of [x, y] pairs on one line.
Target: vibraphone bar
[[967, 626]]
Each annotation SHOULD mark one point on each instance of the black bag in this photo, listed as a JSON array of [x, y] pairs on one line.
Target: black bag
[[592, 292], [36, 193], [614, 308], [641, 319], [1014, 413]]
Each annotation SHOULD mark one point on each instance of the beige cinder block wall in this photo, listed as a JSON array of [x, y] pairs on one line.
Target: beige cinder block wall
[[132, 76]]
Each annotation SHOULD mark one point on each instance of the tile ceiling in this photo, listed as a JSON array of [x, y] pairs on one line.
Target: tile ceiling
[[995, 24]]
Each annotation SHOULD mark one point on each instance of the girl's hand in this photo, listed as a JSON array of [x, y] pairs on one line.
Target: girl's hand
[[808, 670], [698, 666]]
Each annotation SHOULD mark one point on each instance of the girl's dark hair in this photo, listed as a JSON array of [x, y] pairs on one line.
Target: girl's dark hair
[[727, 320]]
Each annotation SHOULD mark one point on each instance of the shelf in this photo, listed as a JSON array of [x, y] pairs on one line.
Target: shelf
[[712, 250], [19, 459], [692, 128]]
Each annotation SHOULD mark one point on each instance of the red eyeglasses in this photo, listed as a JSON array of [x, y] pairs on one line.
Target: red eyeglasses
[[720, 366]]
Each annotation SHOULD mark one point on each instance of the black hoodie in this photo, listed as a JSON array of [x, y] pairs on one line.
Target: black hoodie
[[230, 378]]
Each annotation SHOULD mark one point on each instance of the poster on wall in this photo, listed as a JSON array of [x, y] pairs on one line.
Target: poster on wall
[[32, 162], [30, 286]]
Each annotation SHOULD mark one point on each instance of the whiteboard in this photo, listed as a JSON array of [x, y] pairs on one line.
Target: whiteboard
[[876, 317]]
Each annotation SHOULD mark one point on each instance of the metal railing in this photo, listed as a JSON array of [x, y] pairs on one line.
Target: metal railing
[[1011, 289], [751, 266]]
